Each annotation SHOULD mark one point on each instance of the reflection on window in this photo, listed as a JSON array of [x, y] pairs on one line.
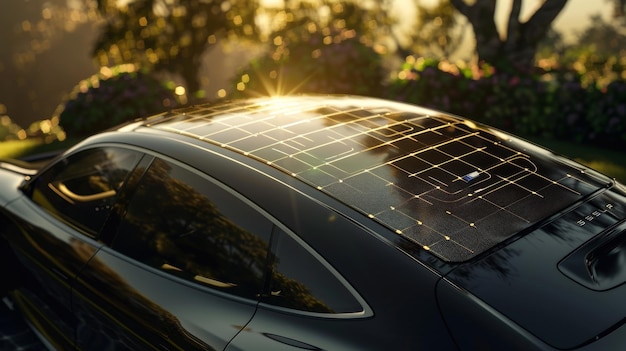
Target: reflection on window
[[185, 225], [82, 189], [301, 282]]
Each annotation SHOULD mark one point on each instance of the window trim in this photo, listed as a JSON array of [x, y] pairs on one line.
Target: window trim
[[171, 277], [149, 156], [29, 187], [199, 281], [366, 310]]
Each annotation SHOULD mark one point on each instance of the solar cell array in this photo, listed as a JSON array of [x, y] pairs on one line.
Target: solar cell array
[[452, 186]]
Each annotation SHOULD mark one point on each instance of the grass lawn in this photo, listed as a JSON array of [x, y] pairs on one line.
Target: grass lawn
[[21, 148], [15, 148], [609, 162]]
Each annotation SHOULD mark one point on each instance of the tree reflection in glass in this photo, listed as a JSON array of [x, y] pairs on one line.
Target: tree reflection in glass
[[172, 224], [182, 223]]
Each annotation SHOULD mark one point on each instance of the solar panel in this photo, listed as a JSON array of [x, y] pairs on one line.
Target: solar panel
[[453, 187]]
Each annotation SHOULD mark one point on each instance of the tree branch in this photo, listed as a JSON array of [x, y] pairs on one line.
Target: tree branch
[[513, 28], [541, 21], [463, 7], [481, 16]]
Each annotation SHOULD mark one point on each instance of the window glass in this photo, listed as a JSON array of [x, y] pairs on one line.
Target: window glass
[[82, 189], [302, 282], [182, 223]]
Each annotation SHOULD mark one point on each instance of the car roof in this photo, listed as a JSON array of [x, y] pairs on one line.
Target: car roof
[[455, 187]]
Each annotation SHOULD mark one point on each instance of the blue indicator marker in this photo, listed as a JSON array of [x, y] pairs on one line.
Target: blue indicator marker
[[470, 176]]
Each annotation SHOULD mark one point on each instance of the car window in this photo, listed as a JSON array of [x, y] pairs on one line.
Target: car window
[[184, 224], [82, 188], [300, 281]]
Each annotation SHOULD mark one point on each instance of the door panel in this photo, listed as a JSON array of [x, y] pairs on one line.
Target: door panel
[[57, 222], [124, 305], [52, 255], [185, 269]]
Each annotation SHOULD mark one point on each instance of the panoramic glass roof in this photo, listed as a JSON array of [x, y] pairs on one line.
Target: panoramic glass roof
[[453, 187]]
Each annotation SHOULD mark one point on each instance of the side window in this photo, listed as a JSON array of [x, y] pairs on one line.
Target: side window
[[184, 224], [300, 281], [82, 189]]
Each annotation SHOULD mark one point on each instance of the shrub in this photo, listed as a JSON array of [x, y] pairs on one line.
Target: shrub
[[606, 115], [557, 106], [101, 103], [306, 60]]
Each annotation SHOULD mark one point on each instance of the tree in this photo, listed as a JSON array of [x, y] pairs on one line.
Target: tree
[[325, 48], [619, 8], [170, 35], [517, 47], [173, 35], [598, 54], [40, 39], [437, 31]]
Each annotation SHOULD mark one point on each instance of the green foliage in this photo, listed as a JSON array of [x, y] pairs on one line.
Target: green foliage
[[308, 60], [17, 148], [438, 31], [606, 115], [8, 129], [598, 56], [170, 35], [553, 106], [101, 103]]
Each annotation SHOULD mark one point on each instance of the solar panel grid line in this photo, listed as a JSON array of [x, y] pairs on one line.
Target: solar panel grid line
[[237, 111], [441, 183], [469, 224], [504, 209], [300, 135], [484, 197], [458, 177], [207, 136], [422, 197], [535, 172], [475, 185], [380, 145], [364, 150], [418, 222], [429, 245], [342, 138], [325, 162], [406, 170], [450, 240], [201, 113], [499, 185], [513, 182]]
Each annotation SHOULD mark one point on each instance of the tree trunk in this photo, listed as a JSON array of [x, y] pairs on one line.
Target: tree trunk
[[516, 48]]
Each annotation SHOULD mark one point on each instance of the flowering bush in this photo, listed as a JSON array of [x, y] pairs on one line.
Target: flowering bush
[[307, 60], [557, 106], [103, 102], [606, 115]]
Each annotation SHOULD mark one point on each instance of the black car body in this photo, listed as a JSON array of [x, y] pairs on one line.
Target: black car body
[[316, 223]]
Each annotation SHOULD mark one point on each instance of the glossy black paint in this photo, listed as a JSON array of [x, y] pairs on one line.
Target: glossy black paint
[[91, 291], [525, 271]]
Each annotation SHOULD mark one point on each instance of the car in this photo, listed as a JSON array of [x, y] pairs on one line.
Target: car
[[315, 223]]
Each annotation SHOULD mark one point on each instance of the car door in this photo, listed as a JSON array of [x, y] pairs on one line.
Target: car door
[[56, 224], [184, 269]]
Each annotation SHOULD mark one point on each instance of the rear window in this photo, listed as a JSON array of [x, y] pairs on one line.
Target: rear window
[[454, 187]]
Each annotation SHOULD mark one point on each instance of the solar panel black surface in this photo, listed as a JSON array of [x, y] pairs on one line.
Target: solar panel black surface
[[454, 187]]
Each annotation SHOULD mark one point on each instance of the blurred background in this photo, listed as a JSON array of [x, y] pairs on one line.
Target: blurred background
[[551, 71]]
